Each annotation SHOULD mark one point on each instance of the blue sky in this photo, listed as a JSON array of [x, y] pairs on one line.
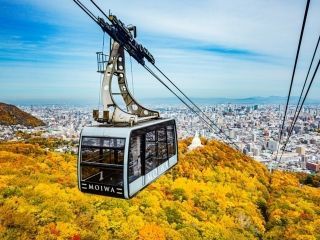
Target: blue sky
[[210, 48]]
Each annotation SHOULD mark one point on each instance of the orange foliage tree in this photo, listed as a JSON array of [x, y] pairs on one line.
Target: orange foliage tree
[[214, 192]]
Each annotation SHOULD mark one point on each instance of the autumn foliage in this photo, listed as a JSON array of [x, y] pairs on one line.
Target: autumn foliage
[[294, 209], [214, 192], [11, 115]]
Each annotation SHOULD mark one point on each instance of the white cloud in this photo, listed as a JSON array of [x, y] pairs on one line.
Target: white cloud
[[269, 27]]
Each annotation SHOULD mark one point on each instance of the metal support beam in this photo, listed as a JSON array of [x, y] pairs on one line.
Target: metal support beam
[[134, 111]]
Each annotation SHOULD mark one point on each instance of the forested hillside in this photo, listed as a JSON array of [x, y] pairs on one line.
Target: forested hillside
[[11, 115], [213, 193]]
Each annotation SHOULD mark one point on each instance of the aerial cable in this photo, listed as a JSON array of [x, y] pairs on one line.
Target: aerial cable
[[98, 21], [295, 116], [188, 99], [293, 74], [305, 96], [190, 108], [87, 11], [303, 88], [180, 91], [100, 9], [199, 110]]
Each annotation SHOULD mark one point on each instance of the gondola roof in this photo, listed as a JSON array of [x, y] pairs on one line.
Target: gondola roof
[[119, 131]]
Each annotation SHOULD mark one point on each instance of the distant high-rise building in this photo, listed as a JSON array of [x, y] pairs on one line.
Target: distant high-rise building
[[245, 151], [304, 161], [301, 150], [256, 151], [297, 129], [273, 145], [254, 137], [232, 134], [250, 146], [203, 133]]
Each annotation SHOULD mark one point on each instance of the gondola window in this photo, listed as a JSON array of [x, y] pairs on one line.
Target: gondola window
[[135, 158], [102, 160]]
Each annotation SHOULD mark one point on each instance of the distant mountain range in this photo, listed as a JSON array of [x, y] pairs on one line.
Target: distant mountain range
[[11, 115], [249, 100], [170, 101]]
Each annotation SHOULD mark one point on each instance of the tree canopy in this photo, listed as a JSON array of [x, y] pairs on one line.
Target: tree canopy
[[214, 192]]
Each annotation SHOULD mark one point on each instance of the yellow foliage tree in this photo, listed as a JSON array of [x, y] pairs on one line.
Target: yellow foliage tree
[[214, 192]]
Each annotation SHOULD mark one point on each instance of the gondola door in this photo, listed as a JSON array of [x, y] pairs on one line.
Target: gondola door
[[150, 156], [156, 153], [135, 162]]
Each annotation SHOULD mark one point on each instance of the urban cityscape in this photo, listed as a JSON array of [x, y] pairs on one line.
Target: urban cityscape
[[253, 128]]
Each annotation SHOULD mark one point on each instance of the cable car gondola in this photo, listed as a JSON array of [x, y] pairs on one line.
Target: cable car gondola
[[120, 161], [133, 146]]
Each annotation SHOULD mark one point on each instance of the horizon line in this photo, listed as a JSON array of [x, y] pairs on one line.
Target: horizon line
[[220, 100]]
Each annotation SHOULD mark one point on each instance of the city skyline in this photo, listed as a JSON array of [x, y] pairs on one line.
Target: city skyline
[[254, 129], [211, 49]]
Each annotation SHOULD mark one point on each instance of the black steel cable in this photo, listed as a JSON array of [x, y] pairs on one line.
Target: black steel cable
[[200, 113], [190, 108], [293, 74], [100, 9], [86, 10], [305, 96], [302, 91], [163, 83], [186, 96], [295, 116]]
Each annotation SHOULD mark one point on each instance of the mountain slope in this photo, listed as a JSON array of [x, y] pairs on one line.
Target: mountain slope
[[213, 193], [11, 115], [293, 209]]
